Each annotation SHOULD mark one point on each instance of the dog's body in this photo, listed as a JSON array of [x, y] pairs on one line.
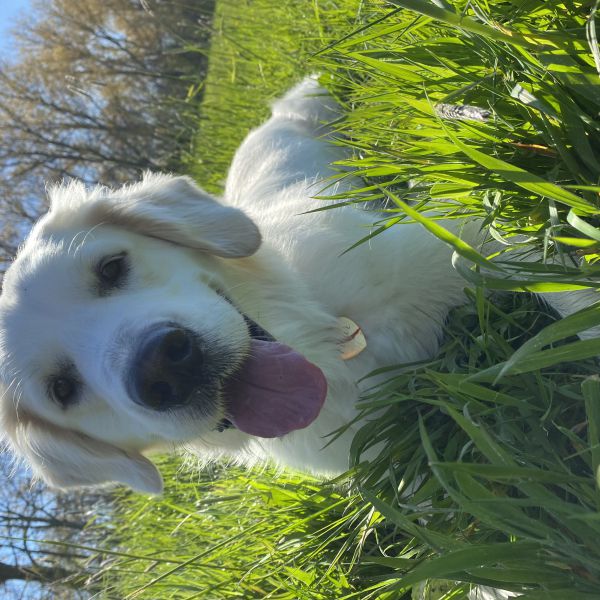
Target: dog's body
[[106, 277]]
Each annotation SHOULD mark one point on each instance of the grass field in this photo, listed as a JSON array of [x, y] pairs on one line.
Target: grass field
[[500, 447]]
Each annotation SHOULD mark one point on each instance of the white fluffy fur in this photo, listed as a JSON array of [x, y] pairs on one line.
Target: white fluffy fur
[[184, 245]]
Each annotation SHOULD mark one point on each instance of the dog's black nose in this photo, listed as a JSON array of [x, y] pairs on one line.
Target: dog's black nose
[[166, 368]]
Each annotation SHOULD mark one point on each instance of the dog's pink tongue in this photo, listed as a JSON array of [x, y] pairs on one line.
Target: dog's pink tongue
[[276, 391]]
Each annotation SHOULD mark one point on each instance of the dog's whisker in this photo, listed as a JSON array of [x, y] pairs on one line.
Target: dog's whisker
[[71, 245], [86, 234]]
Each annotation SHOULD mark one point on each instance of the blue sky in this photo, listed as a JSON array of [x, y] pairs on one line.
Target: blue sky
[[9, 9]]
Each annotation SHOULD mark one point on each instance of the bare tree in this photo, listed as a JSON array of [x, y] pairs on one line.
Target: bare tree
[[46, 538]]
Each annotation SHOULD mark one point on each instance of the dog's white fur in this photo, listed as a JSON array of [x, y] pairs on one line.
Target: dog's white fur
[[186, 249]]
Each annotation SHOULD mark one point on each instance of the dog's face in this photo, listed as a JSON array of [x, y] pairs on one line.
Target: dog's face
[[115, 336]]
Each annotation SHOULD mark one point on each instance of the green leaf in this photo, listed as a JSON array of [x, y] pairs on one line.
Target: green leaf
[[573, 324], [468, 559], [582, 226], [525, 179]]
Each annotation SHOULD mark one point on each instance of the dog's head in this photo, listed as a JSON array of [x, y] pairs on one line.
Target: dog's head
[[116, 337]]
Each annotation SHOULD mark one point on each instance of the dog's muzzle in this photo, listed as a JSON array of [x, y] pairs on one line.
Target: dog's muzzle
[[167, 368]]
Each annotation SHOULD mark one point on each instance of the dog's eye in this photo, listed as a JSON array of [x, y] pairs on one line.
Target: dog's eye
[[64, 390], [111, 272]]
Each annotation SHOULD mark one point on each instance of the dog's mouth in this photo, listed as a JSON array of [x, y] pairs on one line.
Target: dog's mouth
[[275, 391]]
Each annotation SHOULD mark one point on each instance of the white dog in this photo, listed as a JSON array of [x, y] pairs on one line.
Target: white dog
[[155, 316]]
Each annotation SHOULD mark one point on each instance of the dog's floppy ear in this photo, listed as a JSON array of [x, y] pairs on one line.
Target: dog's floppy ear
[[175, 209], [65, 459]]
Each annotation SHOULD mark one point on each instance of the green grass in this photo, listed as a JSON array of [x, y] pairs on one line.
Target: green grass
[[490, 461], [259, 49], [231, 534]]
